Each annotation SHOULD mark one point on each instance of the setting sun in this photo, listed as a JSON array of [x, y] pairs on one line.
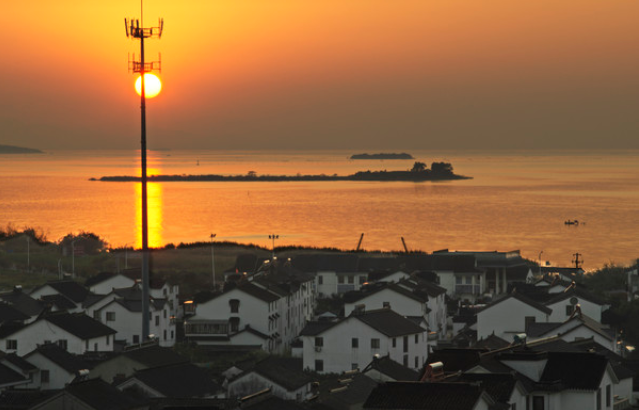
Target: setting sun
[[152, 85]]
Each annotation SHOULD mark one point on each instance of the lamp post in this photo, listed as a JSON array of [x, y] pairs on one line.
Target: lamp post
[[213, 260], [28, 256], [136, 30], [540, 263], [273, 237]]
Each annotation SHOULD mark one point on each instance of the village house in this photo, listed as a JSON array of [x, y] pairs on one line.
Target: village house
[[351, 343], [75, 332], [63, 295], [56, 367]]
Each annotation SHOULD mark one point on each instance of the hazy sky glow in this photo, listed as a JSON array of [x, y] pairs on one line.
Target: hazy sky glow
[[330, 74]]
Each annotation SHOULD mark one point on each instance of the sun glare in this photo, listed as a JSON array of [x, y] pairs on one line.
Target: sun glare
[[152, 85]]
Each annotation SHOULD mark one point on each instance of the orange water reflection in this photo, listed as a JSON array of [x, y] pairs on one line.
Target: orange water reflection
[[155, 204]]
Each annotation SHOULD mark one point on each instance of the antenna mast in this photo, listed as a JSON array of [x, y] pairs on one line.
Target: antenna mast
[[135, 30], [576, 261]]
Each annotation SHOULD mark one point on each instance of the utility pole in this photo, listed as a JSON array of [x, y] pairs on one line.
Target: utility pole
[[135, 29], [273, 237], [576, 261], [213, 260]]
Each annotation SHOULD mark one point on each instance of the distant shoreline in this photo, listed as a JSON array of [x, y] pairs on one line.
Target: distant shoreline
[[382, 155], [381, 176], [11, 149]]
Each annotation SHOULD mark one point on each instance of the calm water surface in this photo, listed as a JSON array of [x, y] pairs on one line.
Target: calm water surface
[[516, 200]]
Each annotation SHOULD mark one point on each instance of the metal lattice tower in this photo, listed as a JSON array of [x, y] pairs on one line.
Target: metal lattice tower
[[136, 30]]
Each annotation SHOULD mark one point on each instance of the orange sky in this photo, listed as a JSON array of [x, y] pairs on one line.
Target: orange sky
[[330, 74]]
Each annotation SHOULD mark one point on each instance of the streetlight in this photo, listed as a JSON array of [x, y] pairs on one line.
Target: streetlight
[[213, 260], [540, 263], [273, 237], [28, 260]]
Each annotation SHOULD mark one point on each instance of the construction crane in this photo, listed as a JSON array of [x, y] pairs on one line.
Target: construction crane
[[359, 244], [404, 243]]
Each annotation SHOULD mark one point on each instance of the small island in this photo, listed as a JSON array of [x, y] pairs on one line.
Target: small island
[[10, 149], [403, 155], [439, 171]]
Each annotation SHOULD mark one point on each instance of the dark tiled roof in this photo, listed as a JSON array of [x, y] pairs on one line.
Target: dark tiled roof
[[22, 399], [541, 328], [389, 323], [60, 301], [258, 292], [154, 356], [286, 372], [456, 359], [337, 394], [315, 328], [99, 278], [272, 403], [136, 275], [18, 362], [499, 386], [69, 288], [388, 265], [582, 371], [407, 395], [8, 376], [366, 291], [616, 361], [392, 369], [492, 342], [577, 292], [10, 314], [523, 299], [23, 302], [100, 395], [80, 325], [180, 380], [61, 357]]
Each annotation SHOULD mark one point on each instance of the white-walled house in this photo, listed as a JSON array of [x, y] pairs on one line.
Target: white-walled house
[[582, 327], [397, 298], [230, 312], [72, 291], [509, 316], [437, 316], [334, 347], [563, 305], [56, 367], [75, 332]]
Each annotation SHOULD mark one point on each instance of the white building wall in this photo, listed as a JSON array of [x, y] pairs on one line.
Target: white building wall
[[129, 324], [588, 308], [506, 318], [327, 285], [251, 311], [447, 281], [30, 337], [398, 303], [58, 377], [338, 355], [115, 282], [253, 382]]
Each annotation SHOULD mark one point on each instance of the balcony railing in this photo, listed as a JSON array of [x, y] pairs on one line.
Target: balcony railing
[[467, 289]]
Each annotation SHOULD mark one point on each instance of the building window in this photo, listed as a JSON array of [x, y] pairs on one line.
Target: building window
[[354, 342], [110, 316], [405, 345], [528, 320], [12, 344], [608, 395], [374, 343], [416, 362], [340, 279], [394, 342], [164, 312], [319, 341], [108, 340], [538, 403], [95, 347], [164, 335], [172, 335], [157, 320], [569, 310], [513, 406], [235, 324], [44, 376], [458, 280], [319, 365], [136, 340], [235, 305], [351, 280], [386, 305], [63, 343], [320, 280], [96, 315], [362, 280], [416, 338], [405, 360]]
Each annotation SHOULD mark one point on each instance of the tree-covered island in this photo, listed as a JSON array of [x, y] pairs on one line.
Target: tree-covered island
[[439, 171]]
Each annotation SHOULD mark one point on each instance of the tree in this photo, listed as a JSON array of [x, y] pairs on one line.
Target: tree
[[418, 167], [442, 168]]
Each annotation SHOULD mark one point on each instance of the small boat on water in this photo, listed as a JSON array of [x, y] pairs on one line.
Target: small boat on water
[[571, 222]]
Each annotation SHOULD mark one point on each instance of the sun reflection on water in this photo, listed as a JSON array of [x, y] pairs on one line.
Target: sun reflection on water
[[154, 203]]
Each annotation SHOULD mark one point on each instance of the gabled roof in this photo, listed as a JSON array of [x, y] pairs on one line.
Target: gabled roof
[[60, 301], [179, 380], [317, 327], [10, 314], [18, 362], [10, 377], [392, 369], [258, 292], [69, 288], [523, 299], [615, 360], [136, 275], [154, 356], [499, 386], [492, 342], [416, 395], [337, 393], [456, 359], [286, 372], [100, 395], [578, 292], [593, 325], [367, 291], [79, 324], [59, 356], [388, 322], [583, 371], [23, 302]]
